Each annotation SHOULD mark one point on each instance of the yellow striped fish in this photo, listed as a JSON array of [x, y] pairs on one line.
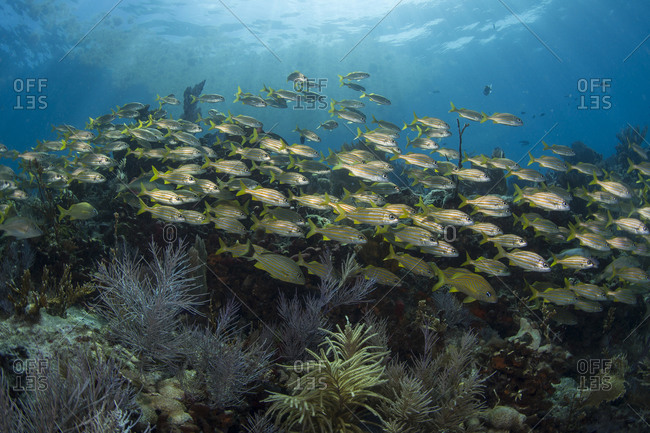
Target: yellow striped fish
[[526, 260], [265, 195], [342, 234], [487, 266], [165, 213], [279, 267], [381, 276], [278, 227], [368, 215], [473, 285], [412, 264]]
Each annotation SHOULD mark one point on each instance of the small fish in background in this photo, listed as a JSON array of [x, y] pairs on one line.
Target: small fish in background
[[487, 89], [328, 125], [20, 228], [78, 211]]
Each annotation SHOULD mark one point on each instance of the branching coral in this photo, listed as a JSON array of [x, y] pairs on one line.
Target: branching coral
[[336, 391]]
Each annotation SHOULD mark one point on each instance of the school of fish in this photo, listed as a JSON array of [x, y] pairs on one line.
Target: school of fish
[[205, 172]]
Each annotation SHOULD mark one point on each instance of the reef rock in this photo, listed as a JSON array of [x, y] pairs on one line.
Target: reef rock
[[506, 418]]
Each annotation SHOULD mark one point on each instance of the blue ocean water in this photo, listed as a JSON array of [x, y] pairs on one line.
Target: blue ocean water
[[571, 70]]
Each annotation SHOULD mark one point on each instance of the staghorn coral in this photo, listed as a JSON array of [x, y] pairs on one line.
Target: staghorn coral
[[142, 303], [336, 391]]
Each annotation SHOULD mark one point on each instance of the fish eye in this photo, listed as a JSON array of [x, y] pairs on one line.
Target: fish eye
[[391, 217], [360, 237], [488, 294]]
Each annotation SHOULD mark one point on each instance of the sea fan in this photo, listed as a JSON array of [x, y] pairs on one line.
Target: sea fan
[[227, 365], [336, 291], [301, 325], [76, 395], [142, 301]]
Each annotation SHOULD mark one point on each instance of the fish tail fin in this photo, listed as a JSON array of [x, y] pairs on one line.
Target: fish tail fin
[[380, 230], [341, 80], [341, 212], [554, 262], [501, 253], [156, 174], [519, 194], [346, 194], [610, 220], [421, 204], [463, 201], [313, 229], [63, 212], [222, 247], [484, 117], [440, 275], [546, 146], [453, 107], [234, 149], [468, 260], [572, 232], [238, 94], [594, 181], [532, 159], [143, 207], [242, 189], [256, 223], [391, 253], [629, 161]]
